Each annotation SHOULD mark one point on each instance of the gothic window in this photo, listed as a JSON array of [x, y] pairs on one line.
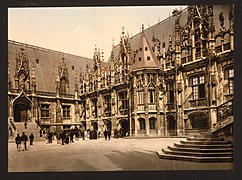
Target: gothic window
[[63, 86], [45, 111], [152, 123], [151, 92], [170, 93], [142, 123], [198, 87], [148, 58], [218, 45], [107, 105], [139, 58], [146, 48], [124, 102], [140, 93], [94, 103], [229, 75], [66, 111]]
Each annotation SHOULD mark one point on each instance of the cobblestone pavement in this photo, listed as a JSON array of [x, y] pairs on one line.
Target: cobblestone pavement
[[101, 155]]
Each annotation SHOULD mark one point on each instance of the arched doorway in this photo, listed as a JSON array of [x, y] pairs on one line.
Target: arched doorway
[[171, 125], [199, 121], [124, 127], [22, 106]]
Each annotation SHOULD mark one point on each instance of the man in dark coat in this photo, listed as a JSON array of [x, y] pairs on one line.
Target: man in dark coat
[[109, 134], [18, 142], [105, 134], [31, 138], [71, 137], [24, 139]]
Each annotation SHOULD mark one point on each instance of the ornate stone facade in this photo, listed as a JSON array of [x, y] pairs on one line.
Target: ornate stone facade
[[174, 78]]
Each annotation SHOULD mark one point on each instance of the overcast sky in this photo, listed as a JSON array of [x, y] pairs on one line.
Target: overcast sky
[[77, 30]]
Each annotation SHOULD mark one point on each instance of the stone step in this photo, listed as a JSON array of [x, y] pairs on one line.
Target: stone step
[[193, 158], [202, 146], [206, 142], [199, 150], [198, 154], [205, 139]]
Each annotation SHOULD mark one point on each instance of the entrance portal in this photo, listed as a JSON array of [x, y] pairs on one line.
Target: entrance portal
[[20, 113], [21, 107], [171, 125], [124, 127]]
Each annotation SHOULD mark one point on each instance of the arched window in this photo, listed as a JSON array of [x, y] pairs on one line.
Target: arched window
[[198, 87], [152, 123], [63, 86], [170, 92], [142, 123], [229, 76], [140, 93], [151, 92]]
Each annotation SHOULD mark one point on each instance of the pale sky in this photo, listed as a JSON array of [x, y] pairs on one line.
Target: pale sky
[[76, 30]]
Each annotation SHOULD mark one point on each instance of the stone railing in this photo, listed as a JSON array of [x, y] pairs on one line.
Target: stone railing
[[42, 93], [225, 110], [198, 102]]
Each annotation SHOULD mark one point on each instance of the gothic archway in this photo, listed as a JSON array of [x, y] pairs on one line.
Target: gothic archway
[[124, 127], [199, 121], [171, 125], [22, 107]]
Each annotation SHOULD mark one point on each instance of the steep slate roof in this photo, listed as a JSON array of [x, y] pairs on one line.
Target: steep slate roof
[[144, 52], [166, 28], [46, 68]]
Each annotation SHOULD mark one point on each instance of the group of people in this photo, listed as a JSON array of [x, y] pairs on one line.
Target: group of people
[[22, 140]]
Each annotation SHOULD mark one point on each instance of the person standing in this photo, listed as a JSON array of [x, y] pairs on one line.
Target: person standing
[[25, 125], [18, 142], [109, 134], [71, 137], [105, 134], [31, 138], [40, 133], [24, 139]]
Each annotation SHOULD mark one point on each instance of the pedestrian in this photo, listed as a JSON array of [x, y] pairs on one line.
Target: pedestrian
[[109, 134], [50, 137], [18, 142], [24, 139], [62, 136], [71, 137], [25, 125], [31, 138], [67, 139], [105, 134], [40, 133]]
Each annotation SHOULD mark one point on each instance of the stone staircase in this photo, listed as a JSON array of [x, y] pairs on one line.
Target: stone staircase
[[32, 127], [203, 148]]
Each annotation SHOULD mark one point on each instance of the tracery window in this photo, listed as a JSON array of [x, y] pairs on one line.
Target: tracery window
[[229, 75], [66, 111], [198, 87], [140, 93], [170, 93], [45, 111], [63, 86], [151, 92]]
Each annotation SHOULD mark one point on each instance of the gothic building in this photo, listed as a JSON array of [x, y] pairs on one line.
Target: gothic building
[[173, 78]]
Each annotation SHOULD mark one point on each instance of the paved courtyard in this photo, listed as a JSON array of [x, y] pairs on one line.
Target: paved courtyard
[[101, 155]]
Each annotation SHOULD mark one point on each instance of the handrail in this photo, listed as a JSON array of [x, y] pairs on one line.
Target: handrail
[[225, 110]]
